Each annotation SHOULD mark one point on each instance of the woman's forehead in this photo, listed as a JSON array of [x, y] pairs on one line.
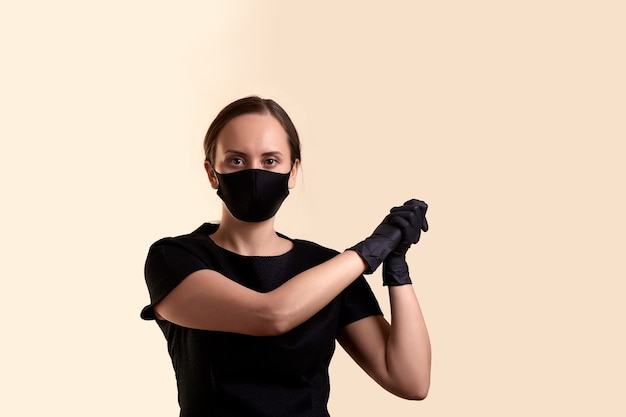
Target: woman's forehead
[[252, 133]]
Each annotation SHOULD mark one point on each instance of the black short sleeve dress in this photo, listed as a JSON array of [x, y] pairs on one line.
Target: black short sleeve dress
[[229, 374]]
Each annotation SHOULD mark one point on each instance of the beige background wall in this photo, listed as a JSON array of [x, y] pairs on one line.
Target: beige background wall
[[506, 117]]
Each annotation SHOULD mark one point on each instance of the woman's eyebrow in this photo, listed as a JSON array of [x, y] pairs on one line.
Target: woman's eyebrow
[[235, 152], [272, 153], [240, 153]]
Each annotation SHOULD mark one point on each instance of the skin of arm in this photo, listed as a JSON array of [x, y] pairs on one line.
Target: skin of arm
[[207, 300], [396, 356]]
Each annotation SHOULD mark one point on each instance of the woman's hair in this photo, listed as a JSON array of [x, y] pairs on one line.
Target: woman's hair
[[254, 105]]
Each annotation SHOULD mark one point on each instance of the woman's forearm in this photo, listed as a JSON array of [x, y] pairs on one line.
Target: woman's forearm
[[207, 300], [408, 352]]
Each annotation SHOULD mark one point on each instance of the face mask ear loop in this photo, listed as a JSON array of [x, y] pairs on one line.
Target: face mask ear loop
[[217, 174], [212, 166]]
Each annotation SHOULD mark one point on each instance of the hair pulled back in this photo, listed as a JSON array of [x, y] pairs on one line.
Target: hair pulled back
[[248, 105]]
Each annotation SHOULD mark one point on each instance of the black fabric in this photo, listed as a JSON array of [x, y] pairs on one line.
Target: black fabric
[[228, 374], [253, 195]]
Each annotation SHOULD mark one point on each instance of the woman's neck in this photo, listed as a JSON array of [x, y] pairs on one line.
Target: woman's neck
[[250, 239]]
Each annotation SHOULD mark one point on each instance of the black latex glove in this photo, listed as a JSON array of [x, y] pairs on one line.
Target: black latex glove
[[386, 237], [395, 268]]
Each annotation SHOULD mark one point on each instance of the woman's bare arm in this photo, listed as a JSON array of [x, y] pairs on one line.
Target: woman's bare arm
[[397, 356], [207, 300]]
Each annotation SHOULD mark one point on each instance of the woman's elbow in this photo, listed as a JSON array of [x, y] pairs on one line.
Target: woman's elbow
[[418, 395], [274, 321], [275, 327], [417, 392]]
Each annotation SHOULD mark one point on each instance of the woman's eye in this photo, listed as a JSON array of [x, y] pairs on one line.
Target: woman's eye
[[271, 161], [236, 161]]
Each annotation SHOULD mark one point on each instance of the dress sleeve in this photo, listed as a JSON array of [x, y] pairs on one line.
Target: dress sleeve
[[357, 302], [168, 263]]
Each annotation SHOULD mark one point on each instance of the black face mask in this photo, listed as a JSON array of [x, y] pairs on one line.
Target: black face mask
[[253, 195]]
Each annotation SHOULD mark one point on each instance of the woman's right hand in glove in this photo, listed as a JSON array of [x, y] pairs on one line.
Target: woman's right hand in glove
[[401, 225]]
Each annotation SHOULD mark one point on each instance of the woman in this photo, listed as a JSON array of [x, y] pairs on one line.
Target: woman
[[251, 316]]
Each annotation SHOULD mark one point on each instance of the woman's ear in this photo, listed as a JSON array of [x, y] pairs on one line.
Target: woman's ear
[[212, 176], [294, 173]]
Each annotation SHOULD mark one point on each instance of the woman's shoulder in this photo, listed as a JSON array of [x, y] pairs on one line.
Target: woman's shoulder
[[188, 240]]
